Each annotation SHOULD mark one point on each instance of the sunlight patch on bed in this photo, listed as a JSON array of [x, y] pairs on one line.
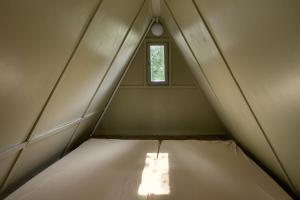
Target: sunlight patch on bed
[[155, 177]]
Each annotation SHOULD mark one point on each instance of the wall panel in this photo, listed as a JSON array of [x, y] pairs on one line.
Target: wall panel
[[260, 41], [110, 81], [181, 76], [6, 164], [85, 71], [189, 57], [235, 111], [36, 41], [159, 111], [89, 63], [83, 131], [36, 156], [120, 63]]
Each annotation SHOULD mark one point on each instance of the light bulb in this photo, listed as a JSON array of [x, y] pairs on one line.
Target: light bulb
[[157, 29]]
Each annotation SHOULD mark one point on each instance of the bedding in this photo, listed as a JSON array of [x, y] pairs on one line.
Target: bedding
[[146, 169]]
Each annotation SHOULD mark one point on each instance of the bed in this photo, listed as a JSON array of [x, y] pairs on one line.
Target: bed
[[149, 169]]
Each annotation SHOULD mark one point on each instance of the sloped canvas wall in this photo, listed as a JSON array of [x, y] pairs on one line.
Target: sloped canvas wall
[[54, 57], [245, 52]]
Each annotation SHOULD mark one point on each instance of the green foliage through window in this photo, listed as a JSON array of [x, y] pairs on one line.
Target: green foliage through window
[[157, 63]]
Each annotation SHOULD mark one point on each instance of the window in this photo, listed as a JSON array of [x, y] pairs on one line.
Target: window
[[157, 72]]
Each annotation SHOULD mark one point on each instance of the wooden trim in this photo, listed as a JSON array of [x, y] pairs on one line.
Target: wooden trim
[[160, 87], [163, 137], [157, 39], [145, 132], [54, 131], [89, 115], [11, 150]]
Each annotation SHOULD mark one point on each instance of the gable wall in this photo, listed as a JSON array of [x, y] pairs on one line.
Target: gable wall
[[139, 109]]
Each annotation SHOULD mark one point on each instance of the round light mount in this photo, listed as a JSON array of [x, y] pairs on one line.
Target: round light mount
[[157, 29]]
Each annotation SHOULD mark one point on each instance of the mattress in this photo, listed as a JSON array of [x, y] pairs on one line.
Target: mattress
[[146, 169], [215, 170]]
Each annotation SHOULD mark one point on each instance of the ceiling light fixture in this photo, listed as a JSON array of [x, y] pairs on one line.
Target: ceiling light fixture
[[157, 29]]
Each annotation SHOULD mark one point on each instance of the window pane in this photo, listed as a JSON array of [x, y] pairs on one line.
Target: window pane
[[157, 63]]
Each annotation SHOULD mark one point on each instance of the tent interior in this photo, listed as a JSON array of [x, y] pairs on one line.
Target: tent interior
[[149, 99]]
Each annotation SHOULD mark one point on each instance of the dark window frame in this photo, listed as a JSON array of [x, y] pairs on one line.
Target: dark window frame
[[148, 71]]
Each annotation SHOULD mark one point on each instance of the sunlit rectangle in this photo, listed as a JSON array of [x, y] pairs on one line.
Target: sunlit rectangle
[[155, 177], [157, 63]]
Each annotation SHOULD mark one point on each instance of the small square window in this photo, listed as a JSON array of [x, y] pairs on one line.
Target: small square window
[[157, 69]]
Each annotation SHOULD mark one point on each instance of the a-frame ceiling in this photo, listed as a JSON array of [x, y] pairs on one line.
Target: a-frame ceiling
[[61, 61]]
